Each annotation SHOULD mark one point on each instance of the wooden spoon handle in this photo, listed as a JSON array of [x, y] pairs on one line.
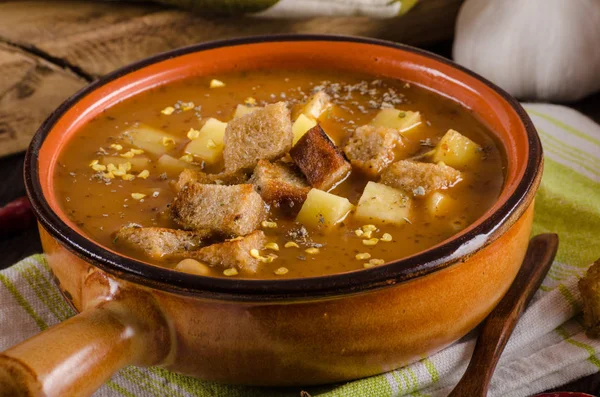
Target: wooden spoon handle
[[498, 326]]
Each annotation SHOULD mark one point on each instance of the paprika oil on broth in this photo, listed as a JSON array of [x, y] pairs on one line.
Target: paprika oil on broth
[[101, 206]]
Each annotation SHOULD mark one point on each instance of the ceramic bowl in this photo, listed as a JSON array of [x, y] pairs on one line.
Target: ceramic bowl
[[272, 332]]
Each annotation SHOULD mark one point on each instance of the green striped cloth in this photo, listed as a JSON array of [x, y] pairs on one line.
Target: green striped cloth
[[296, 8], [548, 348]]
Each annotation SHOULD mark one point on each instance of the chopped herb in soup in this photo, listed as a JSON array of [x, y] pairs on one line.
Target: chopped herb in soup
[[271, 174]]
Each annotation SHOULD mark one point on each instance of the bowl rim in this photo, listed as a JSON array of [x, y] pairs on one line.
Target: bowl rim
[[422, 263]]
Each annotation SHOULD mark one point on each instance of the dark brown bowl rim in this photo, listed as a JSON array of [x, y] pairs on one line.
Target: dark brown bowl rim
[[276, 289]]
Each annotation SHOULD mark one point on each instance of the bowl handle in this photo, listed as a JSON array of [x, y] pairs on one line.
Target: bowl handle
[[77, 356]]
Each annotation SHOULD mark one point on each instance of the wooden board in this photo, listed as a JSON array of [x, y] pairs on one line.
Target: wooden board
[[49, 49], [30, 88]]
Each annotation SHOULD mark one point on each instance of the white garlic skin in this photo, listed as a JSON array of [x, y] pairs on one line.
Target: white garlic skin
[[534, 49]]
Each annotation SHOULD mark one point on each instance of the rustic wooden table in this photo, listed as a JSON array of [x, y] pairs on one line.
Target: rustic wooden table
[[26, 243]]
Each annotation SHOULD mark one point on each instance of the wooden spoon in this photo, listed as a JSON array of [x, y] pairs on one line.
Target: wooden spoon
[[498, 326]]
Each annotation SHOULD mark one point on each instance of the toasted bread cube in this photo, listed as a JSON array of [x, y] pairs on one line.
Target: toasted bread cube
[[320, 160], [233, 253], [420, 178], [160, 243], [242, 110], [263, 134], [138, 163], [400, 120], [301, 126], [589, 287], [171, 165], [322, 209], [280, 184], [209, 145], [383, 204], [439, 204], [190, 176], [458, 151], [150, 139], [316, 105], [228, 210], [370, 149]]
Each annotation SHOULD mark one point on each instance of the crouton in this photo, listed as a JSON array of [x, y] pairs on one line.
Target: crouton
[[263, 134], [160, 243], [232, 253], [223, 178], [228, 210], [419, 178], [320, 160], [279, 183], [188, 176], [589, 287], [370, 149]]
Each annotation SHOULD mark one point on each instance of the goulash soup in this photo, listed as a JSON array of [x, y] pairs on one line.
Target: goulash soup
[[270, 174]]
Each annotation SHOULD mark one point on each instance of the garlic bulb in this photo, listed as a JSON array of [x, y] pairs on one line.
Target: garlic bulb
[[534, 49]]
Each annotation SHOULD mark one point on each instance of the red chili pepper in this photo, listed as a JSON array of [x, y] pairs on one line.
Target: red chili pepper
[[15, 217]]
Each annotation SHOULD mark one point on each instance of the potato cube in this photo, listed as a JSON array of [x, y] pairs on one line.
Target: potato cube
[[380, 203], [171, 165], [192, 266], [316, 104], [457, 151], [242, 110], [209, 144], [301, 125], [322, 209], [138, 163], [439, 204], [151, 139], [398, 119]]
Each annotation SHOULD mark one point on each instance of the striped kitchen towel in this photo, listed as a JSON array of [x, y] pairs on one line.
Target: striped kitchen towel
[[548, 348]]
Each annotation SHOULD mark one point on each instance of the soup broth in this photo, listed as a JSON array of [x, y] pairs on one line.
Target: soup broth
[[102, 197]]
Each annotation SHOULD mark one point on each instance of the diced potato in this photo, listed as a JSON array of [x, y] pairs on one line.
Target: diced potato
[[171, 165], [138, 163], [457, 151], [209, 145], [322, 209], [398, 119], [380, 203], [214, 83], [242, 110], [316, 105], [151, 139], [193, 266], [301, 125], [439, 204]]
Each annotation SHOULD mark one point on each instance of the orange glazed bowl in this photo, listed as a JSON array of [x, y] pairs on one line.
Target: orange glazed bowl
[[276, 332]]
